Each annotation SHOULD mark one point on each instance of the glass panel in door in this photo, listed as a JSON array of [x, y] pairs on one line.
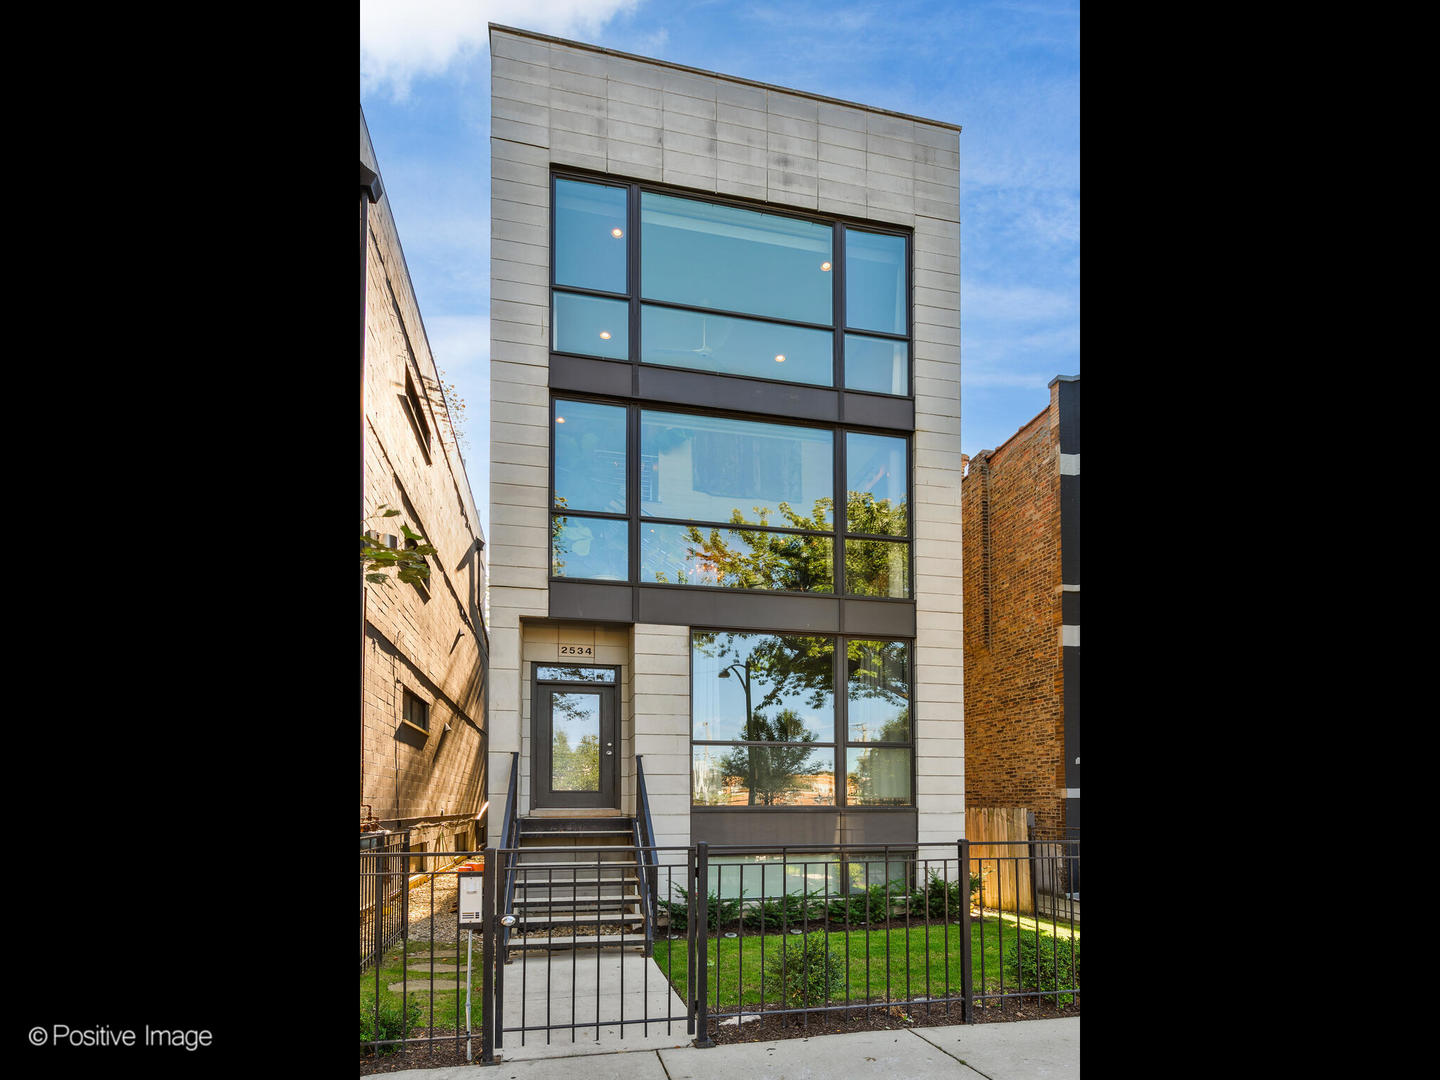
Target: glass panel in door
[[574, 741]]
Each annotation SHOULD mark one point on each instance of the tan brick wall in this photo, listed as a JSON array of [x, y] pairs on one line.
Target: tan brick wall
[[1014, 678], [431, 644]]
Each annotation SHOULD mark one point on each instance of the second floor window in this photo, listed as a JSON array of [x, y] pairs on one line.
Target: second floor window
[[727, 503]]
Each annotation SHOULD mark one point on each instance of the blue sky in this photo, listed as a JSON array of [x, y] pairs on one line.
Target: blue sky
[[1008, 73]]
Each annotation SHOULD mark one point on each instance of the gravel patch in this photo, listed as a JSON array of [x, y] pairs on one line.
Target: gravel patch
[[430, 910]]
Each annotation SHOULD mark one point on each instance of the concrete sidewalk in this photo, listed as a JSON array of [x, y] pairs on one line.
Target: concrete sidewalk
[[1019, 1050]]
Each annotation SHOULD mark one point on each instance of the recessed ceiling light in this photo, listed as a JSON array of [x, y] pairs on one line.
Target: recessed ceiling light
[[605, 334], [825, 266], [616, 232], [559, 419], [780, 359]]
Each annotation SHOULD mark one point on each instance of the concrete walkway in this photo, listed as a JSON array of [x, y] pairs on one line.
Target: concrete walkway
[[609, 986], [1019, 1050]]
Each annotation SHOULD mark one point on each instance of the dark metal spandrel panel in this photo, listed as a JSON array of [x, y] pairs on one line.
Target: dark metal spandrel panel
[[584, 600], [697, 607]]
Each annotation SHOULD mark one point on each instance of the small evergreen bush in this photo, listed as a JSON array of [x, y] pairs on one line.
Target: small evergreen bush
[[937, 897], [806, 970], [720, 913], [865, 906], [783, 913], [389, 1021], [1050, 966]]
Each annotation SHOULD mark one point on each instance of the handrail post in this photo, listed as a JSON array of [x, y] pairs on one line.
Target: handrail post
[[487, 957], [508, 828], [652, 867], [700, 916], [503, 872], [967, 991]]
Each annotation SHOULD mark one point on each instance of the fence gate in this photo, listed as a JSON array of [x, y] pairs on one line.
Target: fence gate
[[581, 929]]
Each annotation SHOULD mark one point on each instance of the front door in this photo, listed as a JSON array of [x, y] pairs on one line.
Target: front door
[[576, 762]]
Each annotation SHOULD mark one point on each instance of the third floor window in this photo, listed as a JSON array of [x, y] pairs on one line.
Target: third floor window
[[655, 278]]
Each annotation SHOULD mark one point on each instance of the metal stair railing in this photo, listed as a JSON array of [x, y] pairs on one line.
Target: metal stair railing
[[646, 856], [509, 839]]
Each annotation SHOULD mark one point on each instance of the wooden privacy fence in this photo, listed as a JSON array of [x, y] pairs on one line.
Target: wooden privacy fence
[[998, 848]]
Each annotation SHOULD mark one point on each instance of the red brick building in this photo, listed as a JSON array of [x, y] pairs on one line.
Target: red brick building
[[1020, 506]]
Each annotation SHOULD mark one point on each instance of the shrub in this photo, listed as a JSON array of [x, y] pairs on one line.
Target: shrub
[[721, 912], [937, 897], [388, 1021], [782, 914], [807, 971], [866, 906], [1050, 966]]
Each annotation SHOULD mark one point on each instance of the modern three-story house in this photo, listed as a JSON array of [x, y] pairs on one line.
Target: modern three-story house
[[725, 457]]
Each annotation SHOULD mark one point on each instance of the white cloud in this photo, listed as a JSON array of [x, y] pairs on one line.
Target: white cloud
[[400, 41]]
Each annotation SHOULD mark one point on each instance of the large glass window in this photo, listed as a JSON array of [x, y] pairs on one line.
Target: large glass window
[[727, 503], [590, 243], [736, 558], [728, 290], [877, 715], [763, 719], [589, 456], [879, 365], [589, 480], [876, 282], [591, 326], [711, 468], [768, 729], [719, 343], [729, 259]]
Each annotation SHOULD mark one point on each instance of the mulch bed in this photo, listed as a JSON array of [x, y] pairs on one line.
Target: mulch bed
[[437, 1055], [915, 1014]]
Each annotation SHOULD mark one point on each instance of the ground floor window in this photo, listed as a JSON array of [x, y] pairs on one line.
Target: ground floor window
[[810, 875], [778, 719]]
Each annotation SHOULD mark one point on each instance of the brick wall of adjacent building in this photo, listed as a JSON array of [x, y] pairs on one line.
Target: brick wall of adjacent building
[[1014, 689], [431, 641]]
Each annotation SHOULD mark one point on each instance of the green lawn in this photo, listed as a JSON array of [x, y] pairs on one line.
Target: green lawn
[[880, 953], [449, 986], [893, 972]]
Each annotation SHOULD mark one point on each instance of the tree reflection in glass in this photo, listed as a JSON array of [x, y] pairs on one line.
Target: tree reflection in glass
[[764, 688], [574, 742]]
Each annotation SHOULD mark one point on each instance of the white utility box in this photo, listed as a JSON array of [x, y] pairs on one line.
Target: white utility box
[[472, 893]]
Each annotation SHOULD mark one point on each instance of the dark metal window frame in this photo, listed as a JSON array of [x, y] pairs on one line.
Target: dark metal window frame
[[409, 698], [839, 488], [838, 225], [839, 743]]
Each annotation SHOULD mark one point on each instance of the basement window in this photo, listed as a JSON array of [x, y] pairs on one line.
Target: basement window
[[415, 710]]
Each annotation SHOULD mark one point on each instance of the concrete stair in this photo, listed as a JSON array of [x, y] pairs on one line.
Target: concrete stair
[[561, 888]]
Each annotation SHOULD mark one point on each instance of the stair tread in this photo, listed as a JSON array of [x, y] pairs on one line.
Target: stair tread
[[585, 941], [592, 917]]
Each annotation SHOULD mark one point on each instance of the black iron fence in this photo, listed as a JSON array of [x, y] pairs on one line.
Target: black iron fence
[[383, 893], [1029, 937], [424, 987], [788, 936], [562, 973], [799, 931]]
